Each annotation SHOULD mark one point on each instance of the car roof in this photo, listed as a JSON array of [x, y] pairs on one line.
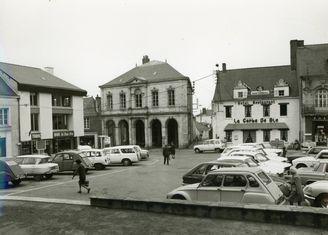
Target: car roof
[[223, 161], [87, 150], [245, 153], [324, 151], [34, 156], [239, 169], [323, 160], [70, 151], [236, 158]]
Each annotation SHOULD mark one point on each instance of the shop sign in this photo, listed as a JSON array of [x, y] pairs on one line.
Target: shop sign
[[59, 134], [252, 120], [261, 92], [251, 102], [35, 136], [320, 118]]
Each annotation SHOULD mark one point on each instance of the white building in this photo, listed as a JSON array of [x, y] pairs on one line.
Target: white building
[[256, 105], [149, 105], [9, 134], [50, 110]]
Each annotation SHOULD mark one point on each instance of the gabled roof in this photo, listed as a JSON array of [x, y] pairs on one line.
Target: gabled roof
[[30, 77], [201, 127], [266, 77], [5, 90], [153, 71]]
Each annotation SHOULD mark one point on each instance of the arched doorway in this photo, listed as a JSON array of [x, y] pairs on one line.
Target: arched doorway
[[123, 127], [110, 126], [172, 132], [140, 133], [156, 133]]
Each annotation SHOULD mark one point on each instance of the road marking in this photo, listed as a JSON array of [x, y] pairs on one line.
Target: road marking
[[61, 183], [152, 163], [49, 200]]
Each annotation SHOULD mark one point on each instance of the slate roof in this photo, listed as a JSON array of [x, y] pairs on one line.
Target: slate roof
[[153, 71], [201, 127], [266, 77], [5, 90], [35, 77]]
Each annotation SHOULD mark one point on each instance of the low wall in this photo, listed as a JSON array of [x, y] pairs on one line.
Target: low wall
[[290, 215]]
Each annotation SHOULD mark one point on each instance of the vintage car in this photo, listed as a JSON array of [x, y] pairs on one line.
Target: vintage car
[[97, 157], [66, 160], [266, 147], [197, 173], [37, 166], [317, 193], [126, 155], [233, 184], [318, 172], [315, 150], [144, 154], [269, 166], [10, 171], [292, 157], [310, 161], [210, 145]]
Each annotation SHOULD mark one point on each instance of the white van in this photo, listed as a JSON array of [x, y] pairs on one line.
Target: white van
[[125, 155]]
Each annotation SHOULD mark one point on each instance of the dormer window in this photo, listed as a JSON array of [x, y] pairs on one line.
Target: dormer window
[[240, 94], [240, 90], [281, 93], [281, 88]]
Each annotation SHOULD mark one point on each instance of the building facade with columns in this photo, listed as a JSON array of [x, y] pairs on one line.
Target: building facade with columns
[[50, 110], [150, 105], [256, 105], [311, 65]]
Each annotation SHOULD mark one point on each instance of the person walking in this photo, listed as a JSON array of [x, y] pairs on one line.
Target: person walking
[[166, 154], [172, 150], [80, 170], [296, 193]]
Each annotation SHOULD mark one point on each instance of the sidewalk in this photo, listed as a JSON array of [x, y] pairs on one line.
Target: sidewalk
[[47, 218]]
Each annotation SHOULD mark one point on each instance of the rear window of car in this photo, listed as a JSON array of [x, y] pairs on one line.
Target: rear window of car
[[28, 161], [234, 181], [266, 179], [127, 150], [323, 156]]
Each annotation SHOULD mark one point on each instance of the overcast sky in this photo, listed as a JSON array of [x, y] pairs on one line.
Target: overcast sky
[[90, 42]]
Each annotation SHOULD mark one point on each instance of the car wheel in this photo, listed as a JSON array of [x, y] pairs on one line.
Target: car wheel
[[48, 176], [99, 166], [38, 177], [16, 182], [126, 162], [197, 150], [178, 197], [300, 165], [321, 201]]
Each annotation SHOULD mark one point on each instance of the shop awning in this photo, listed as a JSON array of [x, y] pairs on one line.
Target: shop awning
[[256, 126]]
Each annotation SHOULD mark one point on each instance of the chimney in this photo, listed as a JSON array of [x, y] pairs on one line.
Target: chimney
[[294, 44], [145, 59], [224, 67], [49, 70], [98, 104]]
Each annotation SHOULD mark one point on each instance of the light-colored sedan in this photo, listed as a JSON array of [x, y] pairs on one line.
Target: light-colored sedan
[[97, 157], [317, 193], [266, 147], [37, 166], [310, 161], [319, 172], [237, 184], [210, 145]]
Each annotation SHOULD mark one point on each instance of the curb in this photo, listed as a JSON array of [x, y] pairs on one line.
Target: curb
[[45, 200], [289, 215]]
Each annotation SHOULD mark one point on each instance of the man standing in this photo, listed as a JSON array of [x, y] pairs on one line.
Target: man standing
[[296, 189], [80, 170], [166, 154]]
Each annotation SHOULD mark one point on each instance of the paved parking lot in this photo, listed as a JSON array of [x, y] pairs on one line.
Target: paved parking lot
[[147, 179]]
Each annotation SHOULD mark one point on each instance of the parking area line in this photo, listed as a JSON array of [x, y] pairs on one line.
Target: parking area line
[[152, 163], [61, 183]]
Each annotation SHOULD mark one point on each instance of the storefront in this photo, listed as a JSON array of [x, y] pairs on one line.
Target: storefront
[[317, 130], [63, 140]]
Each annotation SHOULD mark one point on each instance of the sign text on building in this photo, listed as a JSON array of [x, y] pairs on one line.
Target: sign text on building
[[59, 134]]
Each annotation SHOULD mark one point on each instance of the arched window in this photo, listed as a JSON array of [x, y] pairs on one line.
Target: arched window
[[321, 98]]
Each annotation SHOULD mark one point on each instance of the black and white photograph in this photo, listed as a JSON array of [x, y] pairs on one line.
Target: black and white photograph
[[163, 117]]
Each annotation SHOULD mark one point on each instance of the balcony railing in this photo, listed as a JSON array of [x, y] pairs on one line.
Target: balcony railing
[[312, 110]]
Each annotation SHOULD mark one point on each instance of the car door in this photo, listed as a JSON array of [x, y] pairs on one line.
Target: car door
[[59, 160], [209, 188], [233, 188], [115, 156], [28, 165], [67, 162]]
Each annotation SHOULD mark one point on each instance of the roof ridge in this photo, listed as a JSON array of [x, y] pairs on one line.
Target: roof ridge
[[263, 67], [21, 65]]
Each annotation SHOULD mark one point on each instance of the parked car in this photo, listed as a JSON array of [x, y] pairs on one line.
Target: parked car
[[266, 147], [197, 173], [126, 155], [318, 172], [66, 160], [10, 171], [210, 145], [144, 153], [315, 150], [317, 193], [37, 166], [97, 157], [268, 165], [310, 161], [235, 184], [294, 156]]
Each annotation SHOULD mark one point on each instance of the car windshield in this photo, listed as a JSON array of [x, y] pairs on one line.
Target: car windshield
[[251, 162], [27, 160], [42, 160], [264, 177], [83, 155], [11, 163], [226, 150], [261, 157], [322, 155]]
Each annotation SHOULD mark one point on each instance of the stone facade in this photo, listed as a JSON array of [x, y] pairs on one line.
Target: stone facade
[[150, 105]]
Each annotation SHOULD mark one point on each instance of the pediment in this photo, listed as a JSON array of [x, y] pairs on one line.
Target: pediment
[[135, 80]]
